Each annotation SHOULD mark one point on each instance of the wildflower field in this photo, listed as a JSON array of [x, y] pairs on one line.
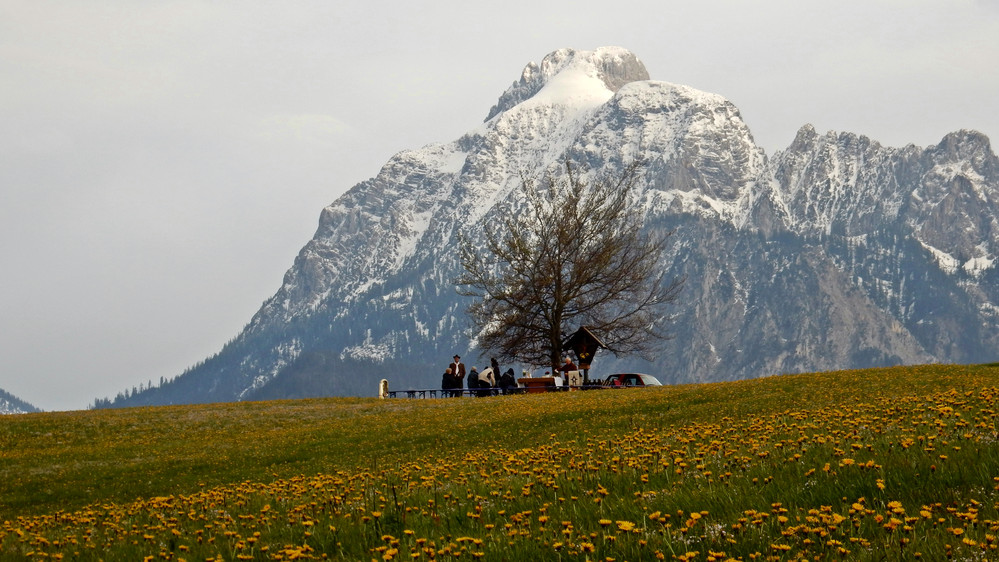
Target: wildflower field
[[884, 464]]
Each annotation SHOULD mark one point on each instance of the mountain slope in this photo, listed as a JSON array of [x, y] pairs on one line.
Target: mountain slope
[[10, 404], [834, 253]]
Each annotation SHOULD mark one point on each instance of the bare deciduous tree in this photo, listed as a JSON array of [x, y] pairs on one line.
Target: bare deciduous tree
[[574, 255]]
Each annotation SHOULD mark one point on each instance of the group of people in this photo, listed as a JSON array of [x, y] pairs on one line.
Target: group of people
[[486, 383]]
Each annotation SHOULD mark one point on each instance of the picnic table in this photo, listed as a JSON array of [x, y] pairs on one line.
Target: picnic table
[[538, 384]]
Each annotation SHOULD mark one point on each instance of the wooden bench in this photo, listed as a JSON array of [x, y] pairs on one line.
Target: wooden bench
[[437, 392]]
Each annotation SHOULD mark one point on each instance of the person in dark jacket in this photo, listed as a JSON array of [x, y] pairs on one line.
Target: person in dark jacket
[[473, 378], [447, 383], [496, 372], [507, 381], [458, 371]]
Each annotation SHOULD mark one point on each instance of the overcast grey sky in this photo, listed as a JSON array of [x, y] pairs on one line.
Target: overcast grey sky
[[162, 162]]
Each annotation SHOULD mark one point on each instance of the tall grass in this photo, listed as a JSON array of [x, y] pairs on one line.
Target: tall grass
[[885, 464]]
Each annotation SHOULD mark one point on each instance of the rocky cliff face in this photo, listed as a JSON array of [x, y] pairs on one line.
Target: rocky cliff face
[[834, 253]]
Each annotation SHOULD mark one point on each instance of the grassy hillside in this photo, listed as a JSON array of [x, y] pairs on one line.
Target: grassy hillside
[[886, 464]]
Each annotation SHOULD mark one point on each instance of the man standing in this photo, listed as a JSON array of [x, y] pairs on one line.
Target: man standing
[[458, 371]]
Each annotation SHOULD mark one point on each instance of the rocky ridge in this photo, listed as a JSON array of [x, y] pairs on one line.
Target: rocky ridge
[[834, 253]]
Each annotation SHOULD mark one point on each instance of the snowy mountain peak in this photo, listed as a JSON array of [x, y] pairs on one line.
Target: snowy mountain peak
[[969, 145], [837, 252], [805, 137], [569, 72]]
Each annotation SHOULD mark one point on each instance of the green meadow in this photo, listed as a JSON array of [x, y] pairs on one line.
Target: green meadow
[[881, 464]]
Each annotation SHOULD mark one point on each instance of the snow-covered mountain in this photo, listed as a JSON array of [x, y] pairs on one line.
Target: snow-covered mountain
[[834, 253], [10, 404]]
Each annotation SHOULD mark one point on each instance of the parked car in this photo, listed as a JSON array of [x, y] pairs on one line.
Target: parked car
[[631, 379]]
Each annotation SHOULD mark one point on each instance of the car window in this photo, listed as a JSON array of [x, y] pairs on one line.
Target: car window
[[650, 380]]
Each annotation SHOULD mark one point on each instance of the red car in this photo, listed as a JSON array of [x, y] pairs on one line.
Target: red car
[[631, 379]]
